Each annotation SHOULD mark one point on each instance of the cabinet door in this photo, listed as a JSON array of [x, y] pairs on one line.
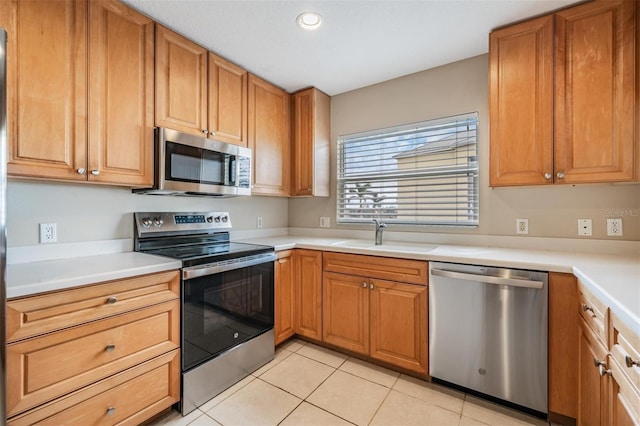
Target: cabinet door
[[311, 133], [269, 138], [345, 305], [591, 386], [521, 103], [181, 83], [624, 401], [398, 324], [594, 92], [563, 345], [308, 293], [121, 65], [227, 101], [46, 87], [283, 322]]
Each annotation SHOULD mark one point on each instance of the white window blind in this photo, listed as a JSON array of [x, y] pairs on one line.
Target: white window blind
[[421, 174]]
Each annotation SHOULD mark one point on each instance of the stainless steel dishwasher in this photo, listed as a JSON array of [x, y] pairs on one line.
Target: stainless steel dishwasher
[[488, 332]]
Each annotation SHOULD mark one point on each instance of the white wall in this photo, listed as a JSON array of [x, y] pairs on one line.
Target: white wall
[[90, 212], [454, 89]]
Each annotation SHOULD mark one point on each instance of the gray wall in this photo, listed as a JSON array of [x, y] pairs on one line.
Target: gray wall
[[459, 88], [90, 212]]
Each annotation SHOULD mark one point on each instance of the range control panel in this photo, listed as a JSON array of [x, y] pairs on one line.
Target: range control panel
[[167, 222]]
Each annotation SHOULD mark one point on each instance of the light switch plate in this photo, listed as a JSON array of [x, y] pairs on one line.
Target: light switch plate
[[259, 222], [325, 222], [585, 227]]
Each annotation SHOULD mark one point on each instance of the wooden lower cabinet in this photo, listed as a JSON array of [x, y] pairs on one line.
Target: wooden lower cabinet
[[592, 386], [385, 320], [307, 270], [283, 297], [105, 353]]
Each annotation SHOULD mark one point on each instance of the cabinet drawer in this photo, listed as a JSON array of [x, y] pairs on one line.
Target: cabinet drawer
[[46, 367], [384, 268], [625, 350], [136, 394], [593, 312], [36, 315]]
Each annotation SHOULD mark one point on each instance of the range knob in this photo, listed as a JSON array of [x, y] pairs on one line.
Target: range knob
[[225, 219], [210, 219], [157, 221], [217, 219], [146, 222]]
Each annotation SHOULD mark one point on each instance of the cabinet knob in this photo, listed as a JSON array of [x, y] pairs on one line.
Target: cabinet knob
[[95, 172], [111, 411], [548, 176], [588, 308], [212, 133], [603, 371], [598, 363], [364, 284], [205, 131], [630, 362], [560, 175], [112, 299], [110, 348], [81, 171], [371, 286]]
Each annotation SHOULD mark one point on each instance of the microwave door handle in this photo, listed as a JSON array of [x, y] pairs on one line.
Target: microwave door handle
[[232, 171]]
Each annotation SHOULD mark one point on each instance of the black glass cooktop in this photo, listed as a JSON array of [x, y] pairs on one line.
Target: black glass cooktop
[[198, 254]]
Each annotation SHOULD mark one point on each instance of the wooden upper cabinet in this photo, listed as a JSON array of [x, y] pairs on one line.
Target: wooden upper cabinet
[[47, 89], [80, 98], [269, 138], [521, 103], [121, 50], [594, 92], [311, 129], [181, 83], [227, 101], [563, 97]]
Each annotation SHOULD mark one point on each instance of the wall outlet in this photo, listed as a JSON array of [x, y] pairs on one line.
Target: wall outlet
[[614, 227], [325, 222], [585, 227], [259, 222], [522, 226], [48, 233]]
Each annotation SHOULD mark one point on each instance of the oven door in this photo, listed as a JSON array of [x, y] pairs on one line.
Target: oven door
[[224, 309]]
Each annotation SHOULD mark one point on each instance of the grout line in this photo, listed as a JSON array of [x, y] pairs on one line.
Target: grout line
[[380, 405]]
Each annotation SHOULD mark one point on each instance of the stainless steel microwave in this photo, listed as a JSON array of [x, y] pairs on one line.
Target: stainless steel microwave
[[194, 165]]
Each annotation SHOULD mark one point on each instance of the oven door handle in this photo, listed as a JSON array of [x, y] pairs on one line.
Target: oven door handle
[[229, 265]]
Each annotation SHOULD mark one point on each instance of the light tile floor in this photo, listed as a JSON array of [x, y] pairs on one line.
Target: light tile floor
[[306, 384]]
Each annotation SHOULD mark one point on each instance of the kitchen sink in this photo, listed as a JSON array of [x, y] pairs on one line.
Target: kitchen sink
[[390, 246]]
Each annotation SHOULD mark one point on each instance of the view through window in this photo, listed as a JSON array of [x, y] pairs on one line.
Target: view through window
[[421, 174]]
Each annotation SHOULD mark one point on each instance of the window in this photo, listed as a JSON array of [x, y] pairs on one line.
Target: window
[[420, 174]]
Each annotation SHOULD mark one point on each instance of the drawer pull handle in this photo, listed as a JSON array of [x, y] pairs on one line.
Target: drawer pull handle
[[111, 411], [110, 348], [630, 362], [111, 300], [588, 308], [598, 363]]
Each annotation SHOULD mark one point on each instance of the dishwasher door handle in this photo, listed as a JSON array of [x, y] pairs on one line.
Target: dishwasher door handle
[[514, 282]]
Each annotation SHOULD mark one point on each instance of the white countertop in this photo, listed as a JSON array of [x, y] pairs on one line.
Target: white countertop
[[614, 279], [39, 277]]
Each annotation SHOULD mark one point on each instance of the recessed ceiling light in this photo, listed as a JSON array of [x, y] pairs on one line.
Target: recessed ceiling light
[[309, 21]]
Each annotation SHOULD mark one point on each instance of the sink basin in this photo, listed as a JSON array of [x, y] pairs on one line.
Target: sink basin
[[390, 246]]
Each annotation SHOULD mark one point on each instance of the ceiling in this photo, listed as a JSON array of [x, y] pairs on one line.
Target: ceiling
[[359, 43]]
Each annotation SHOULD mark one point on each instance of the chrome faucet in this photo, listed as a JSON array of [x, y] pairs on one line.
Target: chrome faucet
[[379, 228]]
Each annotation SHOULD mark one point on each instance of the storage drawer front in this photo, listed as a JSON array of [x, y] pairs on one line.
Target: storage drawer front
[[47, 367], [136, 395], [36, 315], [626, 351], [385, 268], [593, 312]]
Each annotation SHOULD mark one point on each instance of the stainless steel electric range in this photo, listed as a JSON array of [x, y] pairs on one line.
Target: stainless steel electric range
[[226, 298]]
